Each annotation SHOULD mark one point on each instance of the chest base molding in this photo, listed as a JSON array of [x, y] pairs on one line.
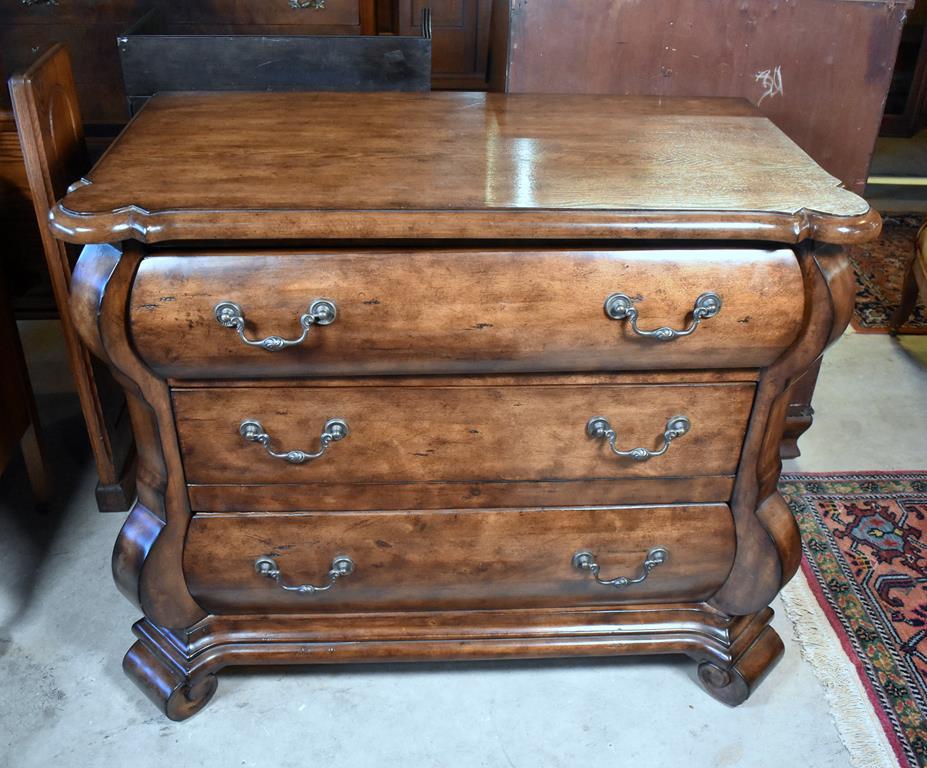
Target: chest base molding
[[177, 669]]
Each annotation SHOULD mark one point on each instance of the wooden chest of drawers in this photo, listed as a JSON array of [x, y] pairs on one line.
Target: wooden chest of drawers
[[456, 376]]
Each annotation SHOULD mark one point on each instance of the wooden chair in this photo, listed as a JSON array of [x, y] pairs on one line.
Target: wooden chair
[[19, 425], [52, 137], [915, 282]]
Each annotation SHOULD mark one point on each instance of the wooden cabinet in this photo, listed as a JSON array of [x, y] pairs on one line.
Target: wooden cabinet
[[519, 393], [460, 39]]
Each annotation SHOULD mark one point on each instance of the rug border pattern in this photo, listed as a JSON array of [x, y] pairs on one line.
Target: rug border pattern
[[816, 564]]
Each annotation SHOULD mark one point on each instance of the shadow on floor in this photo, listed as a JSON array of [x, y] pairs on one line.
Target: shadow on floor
[[27, 532]]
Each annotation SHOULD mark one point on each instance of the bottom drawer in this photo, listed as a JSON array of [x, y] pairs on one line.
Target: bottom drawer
[[456, 559]]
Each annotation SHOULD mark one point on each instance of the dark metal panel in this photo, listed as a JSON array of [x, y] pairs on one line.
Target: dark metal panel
[[153, 63]]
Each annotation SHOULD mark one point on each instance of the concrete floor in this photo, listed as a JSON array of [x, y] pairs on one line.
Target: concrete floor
[[64, 628]]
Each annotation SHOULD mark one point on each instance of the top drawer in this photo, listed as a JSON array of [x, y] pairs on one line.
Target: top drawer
[[445, 311]]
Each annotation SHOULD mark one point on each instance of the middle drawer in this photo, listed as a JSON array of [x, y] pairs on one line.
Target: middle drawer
[[426, 433]]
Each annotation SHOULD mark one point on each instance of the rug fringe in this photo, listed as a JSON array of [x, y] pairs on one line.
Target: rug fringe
[[857, 724]]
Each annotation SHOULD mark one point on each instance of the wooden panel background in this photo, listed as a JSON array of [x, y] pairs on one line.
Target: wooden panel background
[[819, 68]]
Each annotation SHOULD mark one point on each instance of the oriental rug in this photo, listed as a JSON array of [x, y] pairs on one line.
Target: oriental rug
[[864, 538], [880, 268]]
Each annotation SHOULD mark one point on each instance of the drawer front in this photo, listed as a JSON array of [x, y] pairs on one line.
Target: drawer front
[[456, 559], [463, 311], [273, 12], [402, 434]]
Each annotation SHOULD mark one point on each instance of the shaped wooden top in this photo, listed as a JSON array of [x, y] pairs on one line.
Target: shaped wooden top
[[202, 166]]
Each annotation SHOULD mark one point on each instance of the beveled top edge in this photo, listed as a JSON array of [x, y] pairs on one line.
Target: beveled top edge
[[151, 227]]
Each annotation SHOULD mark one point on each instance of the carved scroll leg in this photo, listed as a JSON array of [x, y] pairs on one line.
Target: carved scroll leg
[[755, 650], [164, 682]]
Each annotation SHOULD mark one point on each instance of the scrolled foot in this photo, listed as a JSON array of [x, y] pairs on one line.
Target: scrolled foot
[[173, 692], [733, 683]]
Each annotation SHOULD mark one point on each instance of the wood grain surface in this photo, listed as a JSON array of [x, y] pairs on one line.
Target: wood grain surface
[[456, 311], [270, 166], [456, 559], [334, 497], [434, 434]]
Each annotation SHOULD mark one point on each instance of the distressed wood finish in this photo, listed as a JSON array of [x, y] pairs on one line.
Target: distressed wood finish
[[523, 166], [460, 560], [459, 311], [462, 434], [467, 481]]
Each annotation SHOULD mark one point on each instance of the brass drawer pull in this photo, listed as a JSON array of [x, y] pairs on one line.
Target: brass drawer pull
[[342, 565], [320, 312], [333, 431], [312, 5], [585, 561], [619, 306], [599, 428]]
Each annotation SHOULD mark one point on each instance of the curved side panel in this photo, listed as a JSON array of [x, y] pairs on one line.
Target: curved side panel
[[88, 281], [147, 560], [777, 519], [135, 539], [768, 545]]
